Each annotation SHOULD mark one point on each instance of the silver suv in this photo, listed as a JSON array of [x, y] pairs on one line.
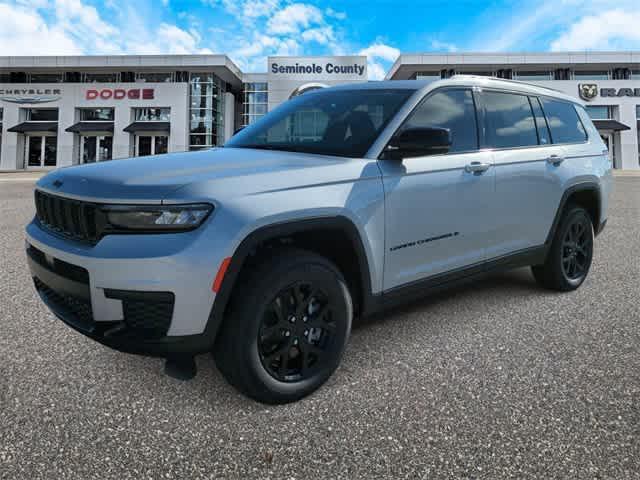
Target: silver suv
[[336, 205]]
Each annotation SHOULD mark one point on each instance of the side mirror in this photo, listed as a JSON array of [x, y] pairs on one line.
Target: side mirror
[[416, 142]]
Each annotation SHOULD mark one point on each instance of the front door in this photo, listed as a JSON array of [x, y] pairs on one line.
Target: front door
[[437, 211], [41, 151], [151, 145], [96, 148]]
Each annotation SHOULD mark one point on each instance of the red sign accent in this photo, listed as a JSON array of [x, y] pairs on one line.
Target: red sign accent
[[121, 93]]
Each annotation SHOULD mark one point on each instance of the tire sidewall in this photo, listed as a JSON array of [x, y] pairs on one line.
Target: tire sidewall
[[263, 293], [572, 215]]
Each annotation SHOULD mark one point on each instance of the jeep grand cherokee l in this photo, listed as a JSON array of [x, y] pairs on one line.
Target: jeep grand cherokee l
[[337, 204]]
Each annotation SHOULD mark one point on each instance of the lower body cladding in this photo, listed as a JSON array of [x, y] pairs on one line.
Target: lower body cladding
[[155, 305]]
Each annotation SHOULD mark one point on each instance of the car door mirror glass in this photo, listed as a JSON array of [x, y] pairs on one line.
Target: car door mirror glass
[[417, 142]]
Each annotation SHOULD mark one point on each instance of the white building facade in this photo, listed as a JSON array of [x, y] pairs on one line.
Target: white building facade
[[58, 111]]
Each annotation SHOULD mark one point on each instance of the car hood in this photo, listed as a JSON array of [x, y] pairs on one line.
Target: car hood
[[151, 179]]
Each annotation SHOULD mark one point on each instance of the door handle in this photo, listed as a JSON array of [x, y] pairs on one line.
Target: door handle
[[476, 167], [555, 159]]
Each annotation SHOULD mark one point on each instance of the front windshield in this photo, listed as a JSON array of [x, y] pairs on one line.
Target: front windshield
[[330, 122]]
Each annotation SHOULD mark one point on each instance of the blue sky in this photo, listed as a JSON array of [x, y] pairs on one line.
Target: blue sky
[[248, 31]]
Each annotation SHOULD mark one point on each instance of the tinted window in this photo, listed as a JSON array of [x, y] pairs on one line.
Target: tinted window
[[453, 110], [332, 122], [509, 120], [543, 130], [563, 121]]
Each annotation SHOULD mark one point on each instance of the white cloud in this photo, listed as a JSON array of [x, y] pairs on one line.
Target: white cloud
[[321, 35], [377, 54], [334, 14], [380, 50], [293, 18], [25, 32], [443, 46], [612, 29]]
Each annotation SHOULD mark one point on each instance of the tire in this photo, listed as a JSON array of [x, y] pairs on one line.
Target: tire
[[569, 258], [287, 327]]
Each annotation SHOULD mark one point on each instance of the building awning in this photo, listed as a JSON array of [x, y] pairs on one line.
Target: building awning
[[148, 127], [26, 127], [91, 127], [614, 125]]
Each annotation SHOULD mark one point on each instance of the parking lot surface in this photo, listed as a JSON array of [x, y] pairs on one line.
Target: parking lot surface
[[497, 379]]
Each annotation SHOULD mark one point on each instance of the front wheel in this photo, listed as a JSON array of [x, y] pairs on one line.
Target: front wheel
[[569, 258], [287, 329]]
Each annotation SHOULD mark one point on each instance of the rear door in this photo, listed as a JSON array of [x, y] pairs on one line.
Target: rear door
[[526, 162], [436, 211]]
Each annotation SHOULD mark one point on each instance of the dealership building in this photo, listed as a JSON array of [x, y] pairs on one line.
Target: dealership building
[[58, 111]]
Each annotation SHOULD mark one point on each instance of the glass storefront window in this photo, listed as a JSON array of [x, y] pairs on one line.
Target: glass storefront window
[[152, 114], [97, 114], [478, 73], [46, 77], [206, 114], [151, 145], [533, 76], [42, 114], [101, 77], [599, 112], [255, 102], [154, 77], [41, 151], [591, 75], [432, 76], [637, 112], [255, 87]]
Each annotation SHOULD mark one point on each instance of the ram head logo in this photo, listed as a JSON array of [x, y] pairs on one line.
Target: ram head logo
[[588, 91]]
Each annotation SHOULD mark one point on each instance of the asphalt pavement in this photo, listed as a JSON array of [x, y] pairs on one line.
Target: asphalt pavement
[[496, 379]]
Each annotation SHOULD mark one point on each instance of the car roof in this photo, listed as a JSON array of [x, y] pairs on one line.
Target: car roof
[[461, 80]]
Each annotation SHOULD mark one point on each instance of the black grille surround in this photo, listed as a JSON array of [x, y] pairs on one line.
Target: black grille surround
[[74, 219]]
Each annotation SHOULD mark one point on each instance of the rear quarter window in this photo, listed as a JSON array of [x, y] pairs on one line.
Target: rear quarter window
[[563, 121]]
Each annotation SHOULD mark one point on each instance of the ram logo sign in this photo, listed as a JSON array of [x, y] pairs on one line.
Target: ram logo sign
[[588, 91]]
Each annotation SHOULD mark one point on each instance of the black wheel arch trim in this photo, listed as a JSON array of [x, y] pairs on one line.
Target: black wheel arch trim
[[578, 187], [273, 231]]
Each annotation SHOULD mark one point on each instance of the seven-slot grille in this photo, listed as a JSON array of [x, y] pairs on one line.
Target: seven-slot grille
[[71, 218]]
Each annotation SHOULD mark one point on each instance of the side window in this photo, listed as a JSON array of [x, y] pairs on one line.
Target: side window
[[509, 120], [564, 123], [453, 110], [541, 122]]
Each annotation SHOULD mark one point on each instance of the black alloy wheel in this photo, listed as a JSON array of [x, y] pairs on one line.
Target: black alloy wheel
[[297, 333], [577, 249]]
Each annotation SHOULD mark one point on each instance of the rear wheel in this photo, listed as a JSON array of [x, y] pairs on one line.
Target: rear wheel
[[571, 252], [287, 328]]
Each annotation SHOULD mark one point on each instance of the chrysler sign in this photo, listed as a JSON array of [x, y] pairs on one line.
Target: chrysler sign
[[30, 95], [589, 91]]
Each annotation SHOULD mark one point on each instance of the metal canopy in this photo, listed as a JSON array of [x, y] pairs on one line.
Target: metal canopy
[[147, 127], [26, 127]]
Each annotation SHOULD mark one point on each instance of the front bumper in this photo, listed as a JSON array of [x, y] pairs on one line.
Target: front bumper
[[138, 294]]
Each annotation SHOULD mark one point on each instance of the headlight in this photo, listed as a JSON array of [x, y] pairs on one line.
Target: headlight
[[161, 218]]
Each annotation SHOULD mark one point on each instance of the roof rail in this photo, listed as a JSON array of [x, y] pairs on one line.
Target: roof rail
[[508, 80]]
